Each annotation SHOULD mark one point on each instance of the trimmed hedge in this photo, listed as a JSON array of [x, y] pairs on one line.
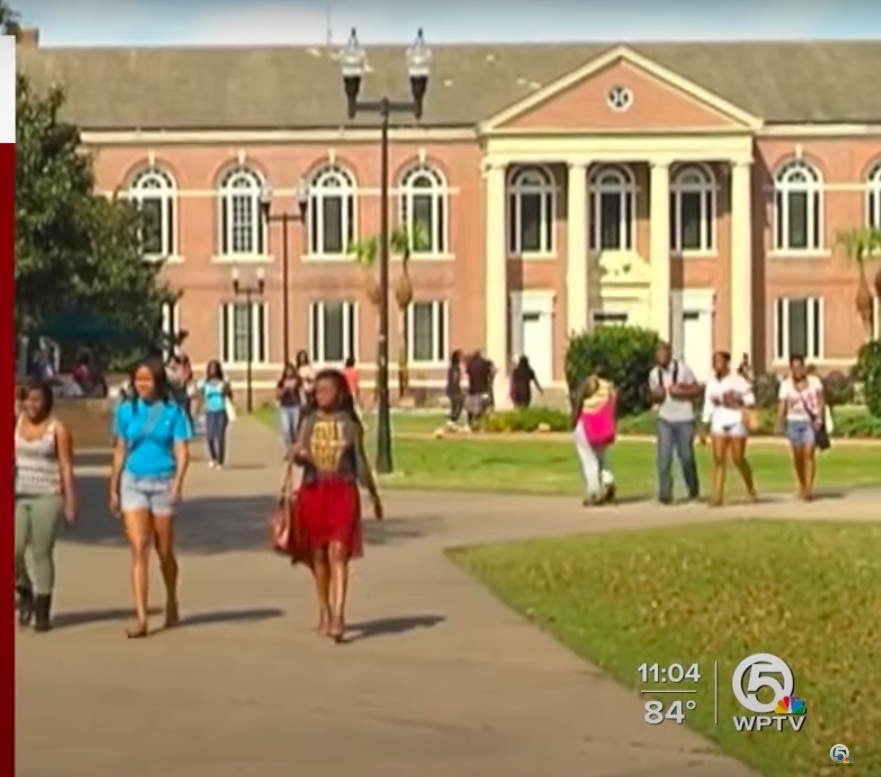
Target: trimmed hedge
[[625, 353], [868, 372], [849, 422]]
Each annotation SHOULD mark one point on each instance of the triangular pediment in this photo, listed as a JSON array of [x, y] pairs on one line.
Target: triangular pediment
[[621, 90]]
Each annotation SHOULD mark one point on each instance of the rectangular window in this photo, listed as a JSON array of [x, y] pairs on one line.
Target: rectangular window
[[692, 220], [798, 222], [152, 243], [242, 324], [608, 318], [427, 332], [170, 326], [611, 220], [798, 328], [530, 223], [333, 326]]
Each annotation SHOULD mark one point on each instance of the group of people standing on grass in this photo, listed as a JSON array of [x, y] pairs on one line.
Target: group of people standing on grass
[[727, 418], [152, 431]]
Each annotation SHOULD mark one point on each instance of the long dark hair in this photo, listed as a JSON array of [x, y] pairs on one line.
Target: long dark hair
[[160, 379], [345, 400], [216, 368]]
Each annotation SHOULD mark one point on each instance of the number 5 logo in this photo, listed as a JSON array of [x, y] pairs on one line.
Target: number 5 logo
[[759, 667]]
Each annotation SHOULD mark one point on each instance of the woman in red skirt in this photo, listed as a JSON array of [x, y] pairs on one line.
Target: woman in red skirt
[[326, 529]]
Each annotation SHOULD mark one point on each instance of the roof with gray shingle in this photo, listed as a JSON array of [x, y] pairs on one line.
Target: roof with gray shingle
[[300, 87]]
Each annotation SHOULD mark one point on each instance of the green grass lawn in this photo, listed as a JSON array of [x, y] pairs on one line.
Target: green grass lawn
[[809, 593], [548, 466]]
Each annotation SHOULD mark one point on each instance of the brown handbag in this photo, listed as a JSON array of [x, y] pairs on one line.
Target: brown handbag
[[280, 527]]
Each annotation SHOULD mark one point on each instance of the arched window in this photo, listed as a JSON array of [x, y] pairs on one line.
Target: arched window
[[331, 212], [612, 207], [153, 191], [424, 207], [531, 212], [692, 209], [873, 200], [798, 208], [242, 227]]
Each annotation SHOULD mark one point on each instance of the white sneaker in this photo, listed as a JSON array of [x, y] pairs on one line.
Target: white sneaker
[[212, 464]]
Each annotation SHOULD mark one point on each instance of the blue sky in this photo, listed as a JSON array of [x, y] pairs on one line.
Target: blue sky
[[198, 22]]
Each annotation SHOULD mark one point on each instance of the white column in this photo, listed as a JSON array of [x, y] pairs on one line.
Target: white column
[[741, 261], [659, 248], [577, 306], [497, 278]]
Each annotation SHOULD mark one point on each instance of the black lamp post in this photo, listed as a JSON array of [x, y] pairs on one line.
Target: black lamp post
[[249, 292], [285, 218], [353, 60]]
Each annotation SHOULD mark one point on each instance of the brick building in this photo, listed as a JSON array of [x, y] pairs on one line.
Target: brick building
[[693, 188]]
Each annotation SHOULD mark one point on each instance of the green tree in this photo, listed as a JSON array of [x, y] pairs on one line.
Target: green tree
[[76, 251], [8, 19], [401, 243], [860, 245]]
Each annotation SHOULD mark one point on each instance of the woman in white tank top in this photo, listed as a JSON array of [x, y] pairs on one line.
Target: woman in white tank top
[[44, 501], [727, 397]]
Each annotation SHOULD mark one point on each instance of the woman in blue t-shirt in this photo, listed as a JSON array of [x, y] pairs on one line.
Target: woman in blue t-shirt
[[214, 392], [146, 480]]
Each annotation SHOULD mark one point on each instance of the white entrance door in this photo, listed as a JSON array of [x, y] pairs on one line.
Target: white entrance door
[[538, 344], [697, 345]]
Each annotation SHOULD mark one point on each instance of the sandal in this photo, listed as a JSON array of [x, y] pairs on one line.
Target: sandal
[[138, 631]]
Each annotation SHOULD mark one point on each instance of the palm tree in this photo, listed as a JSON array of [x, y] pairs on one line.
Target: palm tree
[[859, 245], [8, 19], [402, 242]]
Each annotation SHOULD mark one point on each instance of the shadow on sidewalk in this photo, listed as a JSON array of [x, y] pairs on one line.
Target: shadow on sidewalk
[[391, 626], [211, 525], [64, 620]]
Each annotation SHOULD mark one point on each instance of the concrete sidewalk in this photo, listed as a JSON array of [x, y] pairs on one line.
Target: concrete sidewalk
[[439, 678]]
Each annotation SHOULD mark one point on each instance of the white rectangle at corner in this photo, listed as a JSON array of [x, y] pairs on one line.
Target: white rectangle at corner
[[7, 89]]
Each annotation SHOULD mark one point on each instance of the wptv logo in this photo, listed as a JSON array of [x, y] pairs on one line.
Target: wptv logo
[[770, 677]]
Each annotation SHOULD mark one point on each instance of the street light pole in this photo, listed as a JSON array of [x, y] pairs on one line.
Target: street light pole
[[353, 60], [248, 292], [285, 218]]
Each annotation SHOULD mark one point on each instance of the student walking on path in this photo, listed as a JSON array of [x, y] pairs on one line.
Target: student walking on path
[[215, 398], [593, 419], [44, 501], [729, 404], [147, 474], [674, 390], [802, 414]]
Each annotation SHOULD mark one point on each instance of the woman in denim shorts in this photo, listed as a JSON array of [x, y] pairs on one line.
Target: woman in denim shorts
[[149, 465], [801, 411]]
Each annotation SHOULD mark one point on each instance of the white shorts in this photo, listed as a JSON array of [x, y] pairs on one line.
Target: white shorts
[[736, 431]]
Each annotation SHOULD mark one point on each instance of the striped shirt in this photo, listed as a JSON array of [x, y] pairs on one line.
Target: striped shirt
[[36, 463]]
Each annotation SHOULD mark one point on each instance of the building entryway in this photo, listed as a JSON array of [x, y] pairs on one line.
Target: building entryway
[[532, 331], [692, 315]]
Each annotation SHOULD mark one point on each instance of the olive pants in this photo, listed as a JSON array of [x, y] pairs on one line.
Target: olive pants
[[38, 523]]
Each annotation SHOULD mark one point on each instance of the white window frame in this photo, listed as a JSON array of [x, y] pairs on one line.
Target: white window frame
[[171, 326], [332, 181], [316, 331], [153, 183], [440, 332], [816, 310], [227, 319], [876, 320], [609, 318], [532, 181], [873, 198], [242, 182], [613, 180], [437, 191], [798, 177], [695, 179]]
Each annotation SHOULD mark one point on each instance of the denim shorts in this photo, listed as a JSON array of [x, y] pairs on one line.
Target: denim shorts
[[146, 493], [801, 432]]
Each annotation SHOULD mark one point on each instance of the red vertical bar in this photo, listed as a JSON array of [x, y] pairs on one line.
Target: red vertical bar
[[7, 400]]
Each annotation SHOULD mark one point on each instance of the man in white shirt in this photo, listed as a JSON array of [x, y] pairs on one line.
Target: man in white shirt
[[674, 389]]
